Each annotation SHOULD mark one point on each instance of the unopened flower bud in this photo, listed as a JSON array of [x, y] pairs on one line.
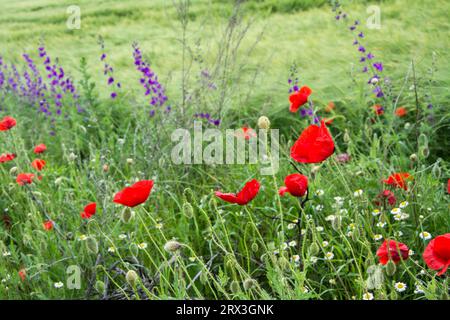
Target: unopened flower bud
[[249, 283], [234, 287], [413, 157], [390, 268], [127, 215], [92, 245], [72, 156], [105, 168], [13, 170], [264, 123], [188, 210], [100, 286], [172, 246], [129, 161], [132, 277]]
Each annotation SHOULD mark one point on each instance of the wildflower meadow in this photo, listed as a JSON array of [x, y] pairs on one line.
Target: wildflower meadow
[[224, 150]]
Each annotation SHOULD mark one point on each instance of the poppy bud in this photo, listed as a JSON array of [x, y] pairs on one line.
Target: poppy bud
[[234, 287], [92, 245], [132, 277], [100, 286], [425, 152], [134, 249], [314, 249], [390, 268], [436, 171], [264, 123], [188, 210], [413, 157], [13, 170], [249, 283], [255, 247], [105, 168], [127, 215], [346, 136], [59, 180], [336, 223], [162, 162], [172, 246]]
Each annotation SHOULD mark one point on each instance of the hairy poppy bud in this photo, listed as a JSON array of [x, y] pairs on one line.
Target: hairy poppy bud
[[346, 136], [188, 210], [314, 249], [413, 157], [436, 171], [249, 283], [92, 245], [390, 268], [425, 152], [234, 287], [100, 286], [105, 168], [59, 180], [172, 246], [127, 215], [264, 123], [13, 170], [132, 277]]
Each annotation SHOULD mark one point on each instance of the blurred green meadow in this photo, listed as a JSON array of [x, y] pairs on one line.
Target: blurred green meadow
[[227, 251]]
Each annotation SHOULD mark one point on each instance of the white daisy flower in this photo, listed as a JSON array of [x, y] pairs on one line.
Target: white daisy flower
[[376, 212], [400, 286], [377, 237], [398, 217], [142, 245], [381, 224], [293, 243], [330, 217], [319, 192], [159, 225], [349, 234], [313, 259], [291, 226], [418, 289], [403, 204], [319, 229], [425, 235], [325, 244], [6, 254], [398, 233], [296, 258], [358, 193], [329, 255], [367, 296], [319, 207], [396, 211], [122, 236], [111, 249], [58, 285], [82, 237]]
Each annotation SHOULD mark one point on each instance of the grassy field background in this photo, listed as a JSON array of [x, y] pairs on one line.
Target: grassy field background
[[228, 251]]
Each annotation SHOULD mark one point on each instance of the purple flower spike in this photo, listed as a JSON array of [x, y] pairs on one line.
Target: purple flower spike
[[378, 66]]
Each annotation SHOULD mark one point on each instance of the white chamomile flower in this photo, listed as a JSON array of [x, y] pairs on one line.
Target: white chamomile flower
[[398, 233], [400, 286], [111, 249], [343, 211], [411, 252], [325, 244], [425, 235], [403, 204], [349, 234], [319, 229], [6, 254], [330, 217], [313, 259], [82, 237], [58, 285], [398, 217], [319, 207], [159, 225], [142, 245], [358, 193], [291, 226], [396, 211], [296, 258], [367, 296], [319, 192], [329, 255], [122, 236], [376, 212], [381, 224], [293, 243], [418, 289], [377, 237]]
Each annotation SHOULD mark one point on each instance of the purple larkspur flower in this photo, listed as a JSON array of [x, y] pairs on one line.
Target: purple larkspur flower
[[378, 66], [370, 56], [352, 28], [361, 49], [378, 92], [362, 59], [361, 35]]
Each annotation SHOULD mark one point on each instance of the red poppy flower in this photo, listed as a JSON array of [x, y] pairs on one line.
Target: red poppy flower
[[448, 186], [24, 178], [134, 195], [315, 144], [48, 225], [247, 133], [7, 157], [40, 148], [22, 274], [89, 210], [299, 98], [248, 192], [296, 184], [379, 110], [437, 253], [394, 251], [38, 164], [7, 123], [398, 180], [401, 112]]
